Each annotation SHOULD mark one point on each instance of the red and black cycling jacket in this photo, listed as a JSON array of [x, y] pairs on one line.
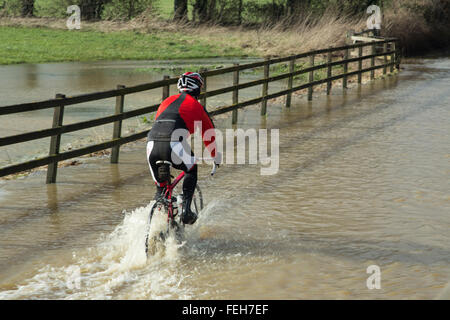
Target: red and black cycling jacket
[[181, 111]]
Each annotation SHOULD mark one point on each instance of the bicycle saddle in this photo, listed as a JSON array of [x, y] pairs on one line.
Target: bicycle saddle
[[164, 169]]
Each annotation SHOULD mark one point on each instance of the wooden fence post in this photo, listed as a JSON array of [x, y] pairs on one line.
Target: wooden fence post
[[234, 115], [397, 55], [311, 77], [344, 80], [55, 141], [165, 89], [117, 131], [360, 63], [265, 88], [290, 82], [329, 72], [385, 57], [372, 63], [391, 68], [203, 101]]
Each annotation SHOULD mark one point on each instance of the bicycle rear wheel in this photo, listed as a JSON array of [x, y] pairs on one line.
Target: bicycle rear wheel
[[154, 239]]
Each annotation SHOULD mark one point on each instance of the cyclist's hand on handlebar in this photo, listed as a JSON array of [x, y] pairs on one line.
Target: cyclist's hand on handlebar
[[214, 168], [216, 163]]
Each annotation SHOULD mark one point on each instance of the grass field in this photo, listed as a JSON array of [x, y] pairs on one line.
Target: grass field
[[34, 45]]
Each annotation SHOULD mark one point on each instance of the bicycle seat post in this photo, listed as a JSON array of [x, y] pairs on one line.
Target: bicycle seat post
[[164, 170]]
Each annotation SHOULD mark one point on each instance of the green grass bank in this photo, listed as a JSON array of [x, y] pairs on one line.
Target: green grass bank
[[20, 44]]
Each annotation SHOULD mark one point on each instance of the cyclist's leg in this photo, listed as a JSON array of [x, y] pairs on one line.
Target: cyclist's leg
[[184, 159], [157, 150], [190, 181]]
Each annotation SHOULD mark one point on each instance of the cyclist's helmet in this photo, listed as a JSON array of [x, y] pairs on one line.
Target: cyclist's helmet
[[190, 82]]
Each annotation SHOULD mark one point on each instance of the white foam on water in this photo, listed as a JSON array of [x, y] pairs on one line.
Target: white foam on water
[[445, 293], [117, 268]]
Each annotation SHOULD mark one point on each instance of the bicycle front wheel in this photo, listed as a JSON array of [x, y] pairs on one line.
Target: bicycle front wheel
[[197, 201], [196, 204]]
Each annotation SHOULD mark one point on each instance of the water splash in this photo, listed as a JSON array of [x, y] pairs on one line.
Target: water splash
[[445, 293], [117, 268]]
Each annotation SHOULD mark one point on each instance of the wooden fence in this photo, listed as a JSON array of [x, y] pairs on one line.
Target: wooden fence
[[382, 48]]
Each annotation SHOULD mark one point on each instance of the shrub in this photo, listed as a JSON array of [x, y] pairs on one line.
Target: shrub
[[125, 9], [90, 9], [52, 8], [12, 8]]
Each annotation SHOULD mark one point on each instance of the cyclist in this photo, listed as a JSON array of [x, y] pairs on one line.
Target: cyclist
[[180, 111]]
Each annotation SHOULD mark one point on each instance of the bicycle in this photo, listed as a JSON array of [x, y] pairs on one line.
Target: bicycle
[[172, 206]]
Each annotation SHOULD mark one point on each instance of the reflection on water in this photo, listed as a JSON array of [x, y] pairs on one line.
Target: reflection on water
[[363, 180], [34, 82]]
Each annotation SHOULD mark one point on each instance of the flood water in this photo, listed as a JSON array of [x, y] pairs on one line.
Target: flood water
[[363, 180]]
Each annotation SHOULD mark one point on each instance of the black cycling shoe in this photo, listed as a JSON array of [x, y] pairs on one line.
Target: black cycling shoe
[[188, 217]]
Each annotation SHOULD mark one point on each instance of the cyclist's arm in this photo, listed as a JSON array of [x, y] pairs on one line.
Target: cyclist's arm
[[209, 135]]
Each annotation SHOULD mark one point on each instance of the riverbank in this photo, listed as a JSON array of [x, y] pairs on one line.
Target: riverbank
[[34, 40]]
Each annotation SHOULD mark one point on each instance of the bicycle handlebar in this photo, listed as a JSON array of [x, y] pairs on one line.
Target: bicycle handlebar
[[214, 166]]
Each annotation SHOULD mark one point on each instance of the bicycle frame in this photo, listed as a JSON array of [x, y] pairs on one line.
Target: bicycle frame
[[166, 201], [168, 194], [169, 189]]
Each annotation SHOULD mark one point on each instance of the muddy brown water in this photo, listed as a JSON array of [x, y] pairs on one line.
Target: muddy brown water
[[363, 180]]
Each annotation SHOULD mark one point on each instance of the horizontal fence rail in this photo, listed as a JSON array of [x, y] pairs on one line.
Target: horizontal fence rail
[[383, 48]]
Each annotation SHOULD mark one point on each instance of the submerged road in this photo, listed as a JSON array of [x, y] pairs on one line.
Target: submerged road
[[363, 180]]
